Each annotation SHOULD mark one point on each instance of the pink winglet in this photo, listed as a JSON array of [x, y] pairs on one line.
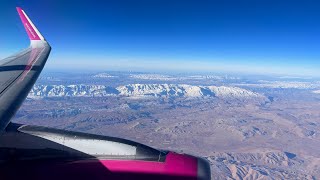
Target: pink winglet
[[32, 32]]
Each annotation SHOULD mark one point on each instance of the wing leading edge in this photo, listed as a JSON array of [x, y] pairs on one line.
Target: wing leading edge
[[19, 72]]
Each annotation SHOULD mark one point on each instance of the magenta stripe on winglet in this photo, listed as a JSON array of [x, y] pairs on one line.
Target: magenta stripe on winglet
[[31, 32]]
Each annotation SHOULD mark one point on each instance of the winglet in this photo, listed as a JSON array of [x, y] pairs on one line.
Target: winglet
[[32, 31]]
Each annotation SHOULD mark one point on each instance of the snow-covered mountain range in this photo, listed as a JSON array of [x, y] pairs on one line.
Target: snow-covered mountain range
[[104, 75], [141, 90], [283, 84], [171, 78]]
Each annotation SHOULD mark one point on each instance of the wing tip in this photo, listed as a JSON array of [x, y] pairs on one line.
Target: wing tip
[[32, 31]]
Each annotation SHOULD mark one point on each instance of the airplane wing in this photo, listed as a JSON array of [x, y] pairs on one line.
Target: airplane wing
[[19, 72]]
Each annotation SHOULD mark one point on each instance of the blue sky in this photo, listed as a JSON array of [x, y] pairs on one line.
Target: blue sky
[[253, 36]]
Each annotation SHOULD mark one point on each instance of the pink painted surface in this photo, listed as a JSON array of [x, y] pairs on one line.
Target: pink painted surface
[[31, 32], [175, 165]]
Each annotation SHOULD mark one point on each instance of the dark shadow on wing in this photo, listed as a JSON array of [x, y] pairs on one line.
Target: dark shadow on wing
[[18, 68]]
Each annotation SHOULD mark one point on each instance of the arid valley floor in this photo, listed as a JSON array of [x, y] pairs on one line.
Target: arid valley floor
[[247, 127]]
